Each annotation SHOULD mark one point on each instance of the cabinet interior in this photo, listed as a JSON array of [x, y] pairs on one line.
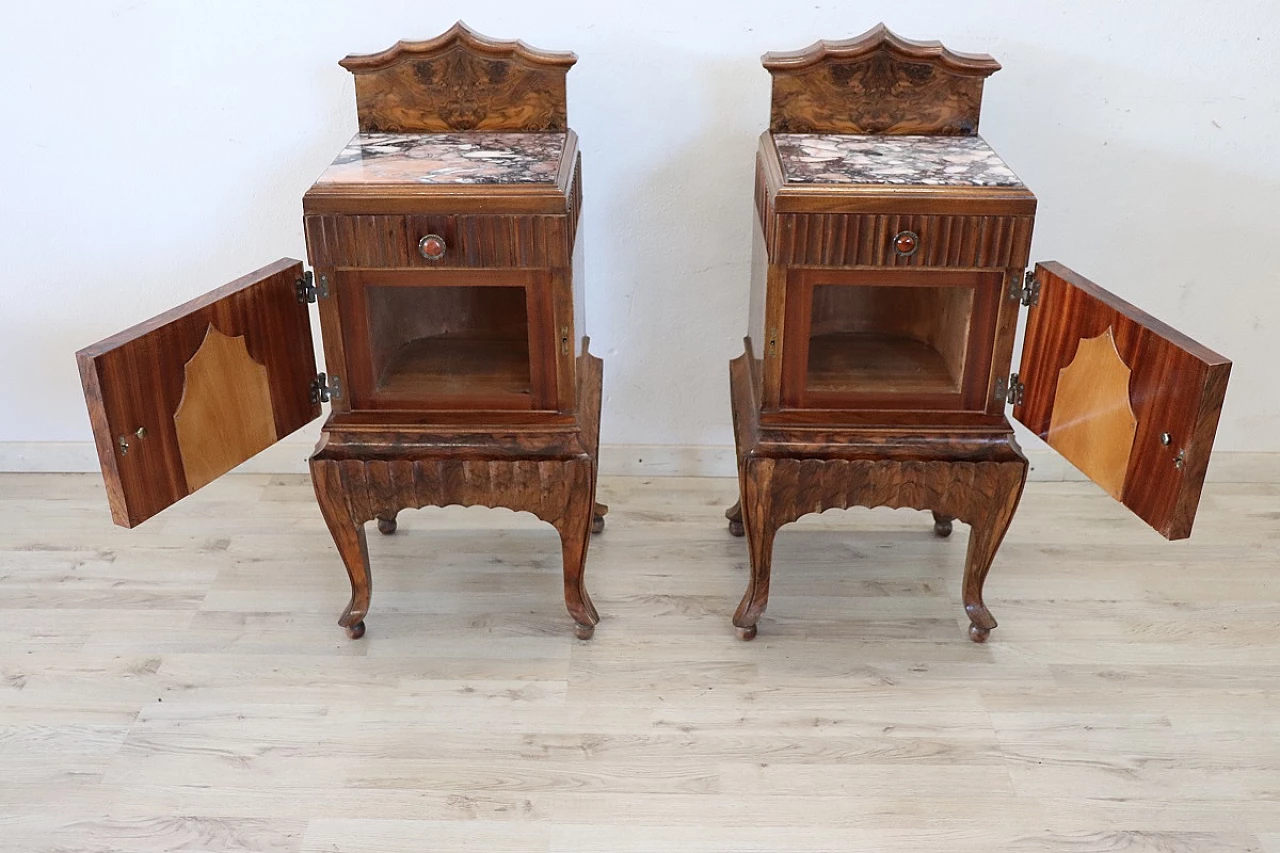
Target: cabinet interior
[[449, 341], [888, 339]]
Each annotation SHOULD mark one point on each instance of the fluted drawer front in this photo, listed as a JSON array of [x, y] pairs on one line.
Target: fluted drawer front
[[469, 241], [845, 240]]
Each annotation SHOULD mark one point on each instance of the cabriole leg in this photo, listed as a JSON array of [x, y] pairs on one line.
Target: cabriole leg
[[348, 536], [987, 531], [760, 527], [575, 535]]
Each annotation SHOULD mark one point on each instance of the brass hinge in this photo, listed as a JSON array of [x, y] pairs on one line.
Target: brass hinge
[[325, 389], [1028, 292], [308, 290], [1010, 390]]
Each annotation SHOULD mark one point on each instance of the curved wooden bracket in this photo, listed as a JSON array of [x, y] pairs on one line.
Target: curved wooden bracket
[[878, 82], [460, 81]]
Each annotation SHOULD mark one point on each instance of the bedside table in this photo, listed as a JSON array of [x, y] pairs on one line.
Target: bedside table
[[887, 281], [448, 273]]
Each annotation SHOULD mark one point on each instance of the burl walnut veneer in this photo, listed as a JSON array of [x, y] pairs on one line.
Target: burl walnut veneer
[[888, 276], [448, 271]]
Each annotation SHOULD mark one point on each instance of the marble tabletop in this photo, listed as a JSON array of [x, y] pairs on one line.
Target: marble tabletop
[[837, 158], [447, 158]]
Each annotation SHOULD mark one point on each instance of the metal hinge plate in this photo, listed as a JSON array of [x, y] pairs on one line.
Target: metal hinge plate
[[326, 388], [308, 290], [1010, 390], [1028, 292]]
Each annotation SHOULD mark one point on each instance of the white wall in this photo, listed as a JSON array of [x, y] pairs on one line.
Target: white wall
[[158, 149]]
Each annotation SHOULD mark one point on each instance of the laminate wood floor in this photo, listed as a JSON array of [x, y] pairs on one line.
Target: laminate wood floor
[[184, 686]]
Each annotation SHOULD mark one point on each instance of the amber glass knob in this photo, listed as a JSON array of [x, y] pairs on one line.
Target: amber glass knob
[[432, 247], [906, 243]]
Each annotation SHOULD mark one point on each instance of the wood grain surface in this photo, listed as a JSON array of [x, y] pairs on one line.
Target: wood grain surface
[[1093, 424], [225, 415], [134, 380], [878, 82], [460, 80], [181, 686], [1177, 387]]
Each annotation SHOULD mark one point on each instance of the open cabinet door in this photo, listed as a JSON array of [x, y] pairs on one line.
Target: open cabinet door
[[1128, 400], [181, 399]]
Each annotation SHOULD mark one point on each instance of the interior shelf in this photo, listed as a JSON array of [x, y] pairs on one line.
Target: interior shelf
[[876, 363], [458, 365]]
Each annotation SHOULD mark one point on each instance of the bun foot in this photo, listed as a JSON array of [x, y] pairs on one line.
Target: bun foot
[[386, 526], [979, 635], [583, 632], [356, 631], [747, 633], [736, 527], [597, 523], [942, 524]]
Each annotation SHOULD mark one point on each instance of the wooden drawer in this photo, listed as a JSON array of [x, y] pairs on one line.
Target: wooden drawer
[[852, 240], [394, 241]]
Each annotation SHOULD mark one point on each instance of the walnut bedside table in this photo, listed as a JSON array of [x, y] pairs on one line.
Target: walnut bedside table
[[888, 277], [448, 272]]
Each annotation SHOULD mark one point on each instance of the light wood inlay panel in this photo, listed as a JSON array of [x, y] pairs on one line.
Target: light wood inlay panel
[[1093, 424], [225, 415], [147, 703]]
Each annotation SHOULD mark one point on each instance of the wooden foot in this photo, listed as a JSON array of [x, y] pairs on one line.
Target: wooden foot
[[386, 526], [760, 527], [348, 536], [942, 524], [575, 536], [734, 514], [597, 518], [986, 531]]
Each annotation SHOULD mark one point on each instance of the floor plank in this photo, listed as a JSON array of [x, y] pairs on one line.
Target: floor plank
[[184, 685]]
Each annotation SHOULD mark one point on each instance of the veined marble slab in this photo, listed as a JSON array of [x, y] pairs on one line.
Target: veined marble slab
[[838, 158], [448, 158]]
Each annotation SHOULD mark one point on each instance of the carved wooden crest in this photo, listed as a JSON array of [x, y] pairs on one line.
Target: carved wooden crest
[[460, 81], [877, 83]]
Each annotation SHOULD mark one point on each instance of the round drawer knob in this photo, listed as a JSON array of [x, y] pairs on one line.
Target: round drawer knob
[[432, 247], [906, 243]]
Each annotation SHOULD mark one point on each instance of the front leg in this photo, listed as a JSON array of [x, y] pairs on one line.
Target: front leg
[[575, 528], [992, 513], [348, 536], [756, 513]]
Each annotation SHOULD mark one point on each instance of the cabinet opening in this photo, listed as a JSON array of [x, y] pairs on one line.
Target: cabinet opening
[[888, 339], [450, 342]]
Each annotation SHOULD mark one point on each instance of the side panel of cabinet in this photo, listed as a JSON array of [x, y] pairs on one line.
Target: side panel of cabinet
[[184, 397], [1131, 402]]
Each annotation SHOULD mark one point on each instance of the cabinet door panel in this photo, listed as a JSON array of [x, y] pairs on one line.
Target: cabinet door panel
[[1128, 400], [180, 399]]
